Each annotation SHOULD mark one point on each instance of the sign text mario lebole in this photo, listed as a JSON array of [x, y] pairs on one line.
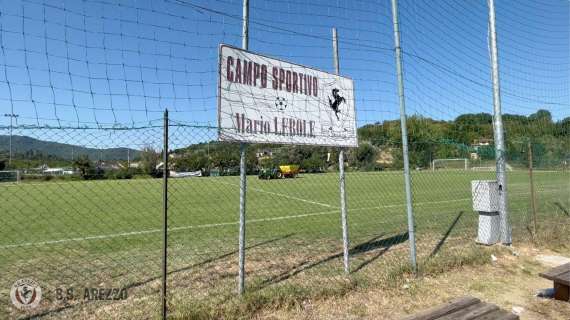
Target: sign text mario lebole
[[271, 101]]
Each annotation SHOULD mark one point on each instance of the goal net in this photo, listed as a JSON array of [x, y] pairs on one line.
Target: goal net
[[450, 164], [9, 176]]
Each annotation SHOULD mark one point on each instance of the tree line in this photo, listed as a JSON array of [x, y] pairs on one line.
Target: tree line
[[428, 139], [379, 149]]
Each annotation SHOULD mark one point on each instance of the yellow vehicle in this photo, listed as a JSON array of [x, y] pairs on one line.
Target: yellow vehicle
[[285, 171], [289, 171]]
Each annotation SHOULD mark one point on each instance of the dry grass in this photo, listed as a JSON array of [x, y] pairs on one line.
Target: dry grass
[[300, 284], [511, 281]]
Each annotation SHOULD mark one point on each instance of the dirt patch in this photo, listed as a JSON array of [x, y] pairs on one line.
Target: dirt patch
[[552, 260]]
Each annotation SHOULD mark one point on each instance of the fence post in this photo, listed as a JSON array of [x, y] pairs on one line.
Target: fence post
[[245, 26], [164, 213], [242, 171], [343, 212], [532, 195], [242, 195], [407, 179], [500, 153]]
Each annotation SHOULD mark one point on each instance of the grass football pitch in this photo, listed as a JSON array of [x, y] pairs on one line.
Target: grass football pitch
[[109, 231]]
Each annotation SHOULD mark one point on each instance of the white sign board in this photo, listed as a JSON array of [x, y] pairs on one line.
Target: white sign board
[[265, 100]]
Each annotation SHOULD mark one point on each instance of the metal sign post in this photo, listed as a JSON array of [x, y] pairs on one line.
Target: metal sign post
[[343, 213], [500, 153], [271, 101], [407, 180], [242, 170]]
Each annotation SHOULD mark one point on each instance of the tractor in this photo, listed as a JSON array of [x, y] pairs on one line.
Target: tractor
[[285, 171]]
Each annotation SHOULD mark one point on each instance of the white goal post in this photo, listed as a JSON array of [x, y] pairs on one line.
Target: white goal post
[[9, 176], [459, 164]]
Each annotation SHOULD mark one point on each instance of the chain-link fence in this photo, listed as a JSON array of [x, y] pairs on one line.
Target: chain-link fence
[[100, 225], [84, 86]]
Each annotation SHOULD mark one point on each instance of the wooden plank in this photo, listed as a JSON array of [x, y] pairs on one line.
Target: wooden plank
[[471, 312], [445, 309], [563, 278], [561, 292], [499, 315], [555, 273]]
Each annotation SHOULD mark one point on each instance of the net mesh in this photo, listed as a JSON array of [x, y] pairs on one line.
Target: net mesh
[[83, 88]]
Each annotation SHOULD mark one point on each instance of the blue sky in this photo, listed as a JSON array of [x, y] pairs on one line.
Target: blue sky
[[120, 63]]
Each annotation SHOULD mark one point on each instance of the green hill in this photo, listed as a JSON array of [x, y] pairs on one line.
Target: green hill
[[23, 146]]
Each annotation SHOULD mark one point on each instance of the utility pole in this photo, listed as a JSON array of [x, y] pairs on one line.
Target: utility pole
[[242, 170], [407, 179], [12, 116], [500, 153], [343, 213]]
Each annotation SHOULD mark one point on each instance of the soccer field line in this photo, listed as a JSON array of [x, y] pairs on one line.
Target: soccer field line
[[235, 185], [221, 224], [281, 195], [130, 181], [210, 225]]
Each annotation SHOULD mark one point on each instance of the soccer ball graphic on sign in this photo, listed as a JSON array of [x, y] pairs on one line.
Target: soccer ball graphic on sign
[[280, 103]]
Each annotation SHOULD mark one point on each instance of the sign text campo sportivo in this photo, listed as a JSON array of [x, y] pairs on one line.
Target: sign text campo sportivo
[[265, 100]]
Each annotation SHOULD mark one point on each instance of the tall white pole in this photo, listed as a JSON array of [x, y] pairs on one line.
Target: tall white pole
[[245, 26], [407, 180], [343, 213], [242, 170], [500, 152]]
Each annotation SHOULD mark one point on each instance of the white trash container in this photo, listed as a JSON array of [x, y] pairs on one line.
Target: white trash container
[[485, 195], [489, 230]]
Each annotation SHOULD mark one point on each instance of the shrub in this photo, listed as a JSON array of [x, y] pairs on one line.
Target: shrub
[[119, 174]]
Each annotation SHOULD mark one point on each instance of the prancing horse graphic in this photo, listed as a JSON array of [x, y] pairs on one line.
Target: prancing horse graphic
[[335, 105]]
